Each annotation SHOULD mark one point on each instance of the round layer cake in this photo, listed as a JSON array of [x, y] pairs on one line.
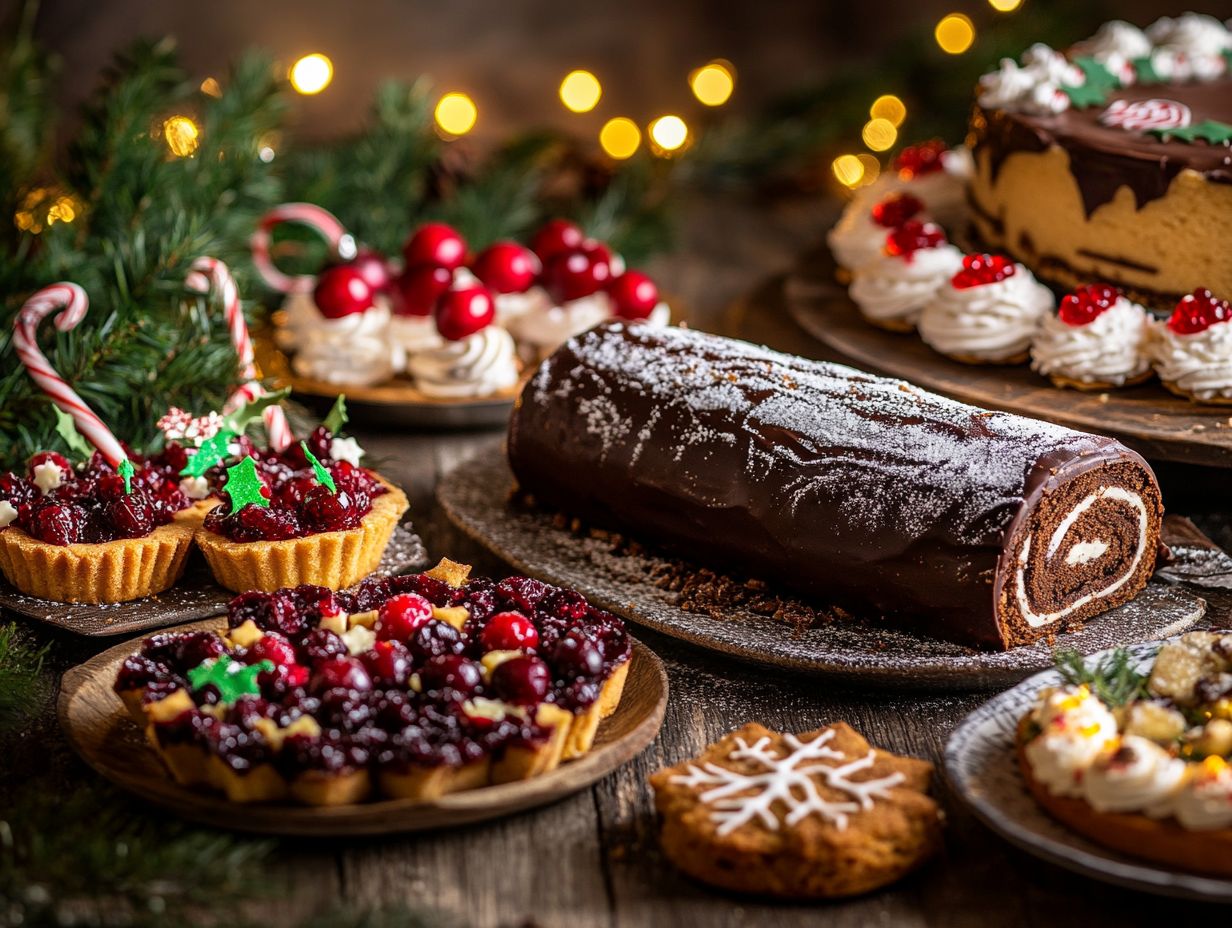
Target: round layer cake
[[1111, 162]]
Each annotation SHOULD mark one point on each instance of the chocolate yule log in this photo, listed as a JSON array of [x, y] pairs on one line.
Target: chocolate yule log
[[980, 527]]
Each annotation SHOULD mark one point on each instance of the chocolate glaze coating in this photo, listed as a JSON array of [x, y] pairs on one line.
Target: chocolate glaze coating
[[856, 489]]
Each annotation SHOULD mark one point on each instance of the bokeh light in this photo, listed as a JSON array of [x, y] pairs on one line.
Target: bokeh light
[[43, 207], [182, 135], [669, 133], [889, 107], [848, 169], [1005, 6], [879, 134], [620, 137], [580, 91], [211, 88], [713, 83], [955, 33], [311, 74], [456, 113], [872, 168]]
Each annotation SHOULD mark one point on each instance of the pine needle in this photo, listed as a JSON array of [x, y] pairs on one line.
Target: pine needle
[[1114, 679]]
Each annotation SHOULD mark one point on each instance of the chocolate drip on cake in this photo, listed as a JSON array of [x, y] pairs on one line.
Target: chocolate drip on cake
[[979, 527]]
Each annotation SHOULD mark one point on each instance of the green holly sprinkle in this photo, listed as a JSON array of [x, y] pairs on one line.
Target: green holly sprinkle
[[1098, 83], [126, 471], [244, 485], [1209, 130], [337, 417], [324, 477], [66, 428], [212, 451], [231, 678]]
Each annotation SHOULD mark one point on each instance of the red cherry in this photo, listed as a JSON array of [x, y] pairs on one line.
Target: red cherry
[[983, 269], [556, 236], [571, 275], [373, 268], [464, 312], [523, 681], [1085, 304], [342, 291], [51, 457], [634, 295], [388, 662], [340, 671], [435, 243], [451, 672], [912, 236], [924, 158], [418, 288], [401, 615], [509, 631], [1198, 311], [507, 267], [896, 209], [274, 648]]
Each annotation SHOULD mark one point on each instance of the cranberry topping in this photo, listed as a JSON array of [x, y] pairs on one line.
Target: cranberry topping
[[1086, 304], [578, 656], [388, 663], [979, 270], [435, 639], [451, 676], [339, 672], [912, 236], [523, 681], [509, 631], [401, 615], [274, 648], [321, 644], [896, 209], [924, 158], [556, 236], [1198, 311]]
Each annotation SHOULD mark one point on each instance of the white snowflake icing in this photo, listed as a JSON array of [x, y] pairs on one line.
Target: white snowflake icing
[[178, 425], [346, 449], [738, 797]]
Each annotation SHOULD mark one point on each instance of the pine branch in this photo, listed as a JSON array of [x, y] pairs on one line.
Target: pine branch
[[1115, 679], [23, 685]]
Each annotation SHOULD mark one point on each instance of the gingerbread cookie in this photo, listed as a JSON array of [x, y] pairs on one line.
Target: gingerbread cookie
[[811, 816]]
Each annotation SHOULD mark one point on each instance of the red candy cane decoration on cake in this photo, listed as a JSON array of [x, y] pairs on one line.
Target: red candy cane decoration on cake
[[1141, 115], [322, 221], [207, 272], [73, 301]]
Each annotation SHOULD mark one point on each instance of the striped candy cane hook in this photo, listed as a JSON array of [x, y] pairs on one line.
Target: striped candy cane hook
[[321, 221], [73, 302], [210, 273]]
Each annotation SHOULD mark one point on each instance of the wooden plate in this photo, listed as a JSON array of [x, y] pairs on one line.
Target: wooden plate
[[196, 596], [981, 765], [1155, 422], [102, 732], [476, 497]]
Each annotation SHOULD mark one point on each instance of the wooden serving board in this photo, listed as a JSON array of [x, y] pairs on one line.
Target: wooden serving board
[[1156, 423], [102, 732]]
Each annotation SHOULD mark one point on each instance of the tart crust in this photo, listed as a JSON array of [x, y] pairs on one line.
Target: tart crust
[[107, 572], [331, 559]]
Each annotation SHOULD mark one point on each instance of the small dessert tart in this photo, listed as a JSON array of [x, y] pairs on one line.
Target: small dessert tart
[[813, 816], [347, 341], [860, 234], [988, 313], [94, 534], [408, 687], [932, 173], [1192, 351], [1097, 341], [1140, 763], [475, 357], [915, 261]]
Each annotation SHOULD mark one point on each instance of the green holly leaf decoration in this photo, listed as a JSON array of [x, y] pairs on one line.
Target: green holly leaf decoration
[[244, 485], [1209, 130], [239, 420], [337, 417], [324, 477], [1146, 71], [66, 428], [1098, 84], [213, 451], [227, 675], [126, 470]]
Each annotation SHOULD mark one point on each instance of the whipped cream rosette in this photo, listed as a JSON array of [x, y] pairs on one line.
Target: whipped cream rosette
[[988, 313], [935, 175], [354, 349], [860, 234], [1097, 340], [542, 331], [478, 365], [1189, 47], [1192, 351], [915, 262]]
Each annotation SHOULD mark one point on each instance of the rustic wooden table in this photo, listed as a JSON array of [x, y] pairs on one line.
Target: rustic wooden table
[[593, 859]]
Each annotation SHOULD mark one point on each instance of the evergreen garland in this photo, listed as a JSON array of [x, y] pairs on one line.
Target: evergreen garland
[[23, 685]]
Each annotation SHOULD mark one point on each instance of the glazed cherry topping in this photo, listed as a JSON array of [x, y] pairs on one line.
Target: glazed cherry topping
[[373, 268], [577, 656], [451, 676], [556, 236], [634, 295], [340, 672], [437, 244], [507, 267], [1085, 304], [509, 631], [434, 639], [321, 644], [58, 523], [523, 681], [572, 275], [896, 209], [1198, 311], [464, 312], [131, 516], [274, 648], [418, 288], [912, 236], [343, 290], [924, 158], [388, 663], [401, 616], [979, 270]]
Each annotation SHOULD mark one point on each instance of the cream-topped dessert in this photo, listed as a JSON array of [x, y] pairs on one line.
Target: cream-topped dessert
[[914, 263], [1192, 351], [860, 234], [543, 330], [352, 349], [1097, 340], [475, 357], [988, 313]]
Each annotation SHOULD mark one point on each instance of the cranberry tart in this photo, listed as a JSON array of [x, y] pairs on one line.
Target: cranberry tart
[[94, 534], [407, 687]]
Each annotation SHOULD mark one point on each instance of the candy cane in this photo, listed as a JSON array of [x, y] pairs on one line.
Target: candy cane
[[321, 221], [210, 272], [73, 301]]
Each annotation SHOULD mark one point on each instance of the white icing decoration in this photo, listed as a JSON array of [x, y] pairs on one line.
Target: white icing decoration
[[195, 487], [1206, 802], [478, 365], [1086, 551], [993, 322], [7, 513], [1111, 348], [1034, 87], [1199, 363], [346, 449], [1140, 115], [411, 335], [358, 639], [1138, 777], [354, 349], [1117, 494], [896, 287], [48, 476], [1075, 729], [738, 798]]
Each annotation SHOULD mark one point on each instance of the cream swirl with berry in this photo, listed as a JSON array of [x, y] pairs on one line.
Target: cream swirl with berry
[[1035, 86], [351, 349], [989, 311], [1116, 45], [1098, 337], [861, 231], [481, 364], [1075, 728], [542, 332], [411, 335], [1136, 776], [1189, 47], [1192, 351], [915, 262], [1206, 802]]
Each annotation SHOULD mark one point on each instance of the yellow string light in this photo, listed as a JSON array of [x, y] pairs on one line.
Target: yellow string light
[[580, 91], [955, 33], [879, 134], [311, 74], [890, 107], [848, 169], [182, 136], [668, 134], [43, 207], [456, 113], [713, 83], [211, 88], [620, 137], [872, 168], [1005, 6]]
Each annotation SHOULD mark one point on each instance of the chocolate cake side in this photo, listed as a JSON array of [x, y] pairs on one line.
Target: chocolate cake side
[[854, 488]]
